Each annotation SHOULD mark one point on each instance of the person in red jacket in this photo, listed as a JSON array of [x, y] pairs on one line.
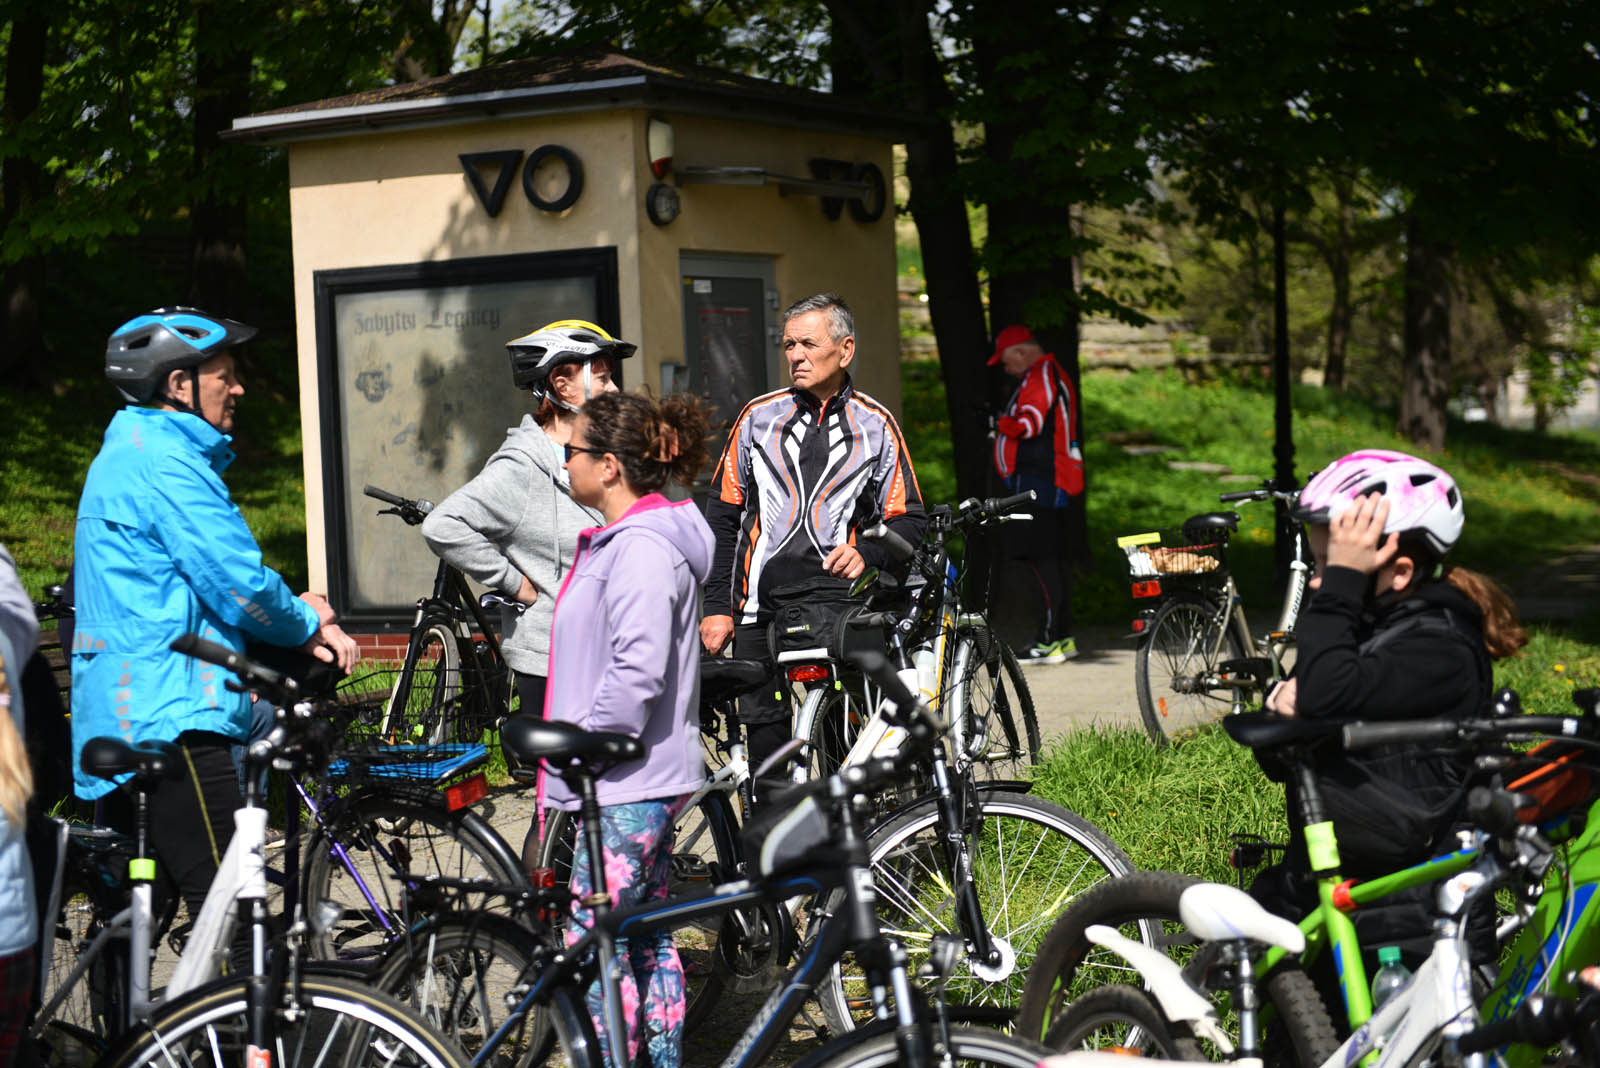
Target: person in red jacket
[[1036, 447]]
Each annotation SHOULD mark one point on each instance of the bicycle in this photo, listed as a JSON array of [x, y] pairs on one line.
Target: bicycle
[[745, 949], [280, 1009], [959, 661], [453, 684], [1555, 932], [815, 846], [1196, 658]]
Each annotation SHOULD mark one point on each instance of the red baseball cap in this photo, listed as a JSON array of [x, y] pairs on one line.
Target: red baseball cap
[[1011, 335]]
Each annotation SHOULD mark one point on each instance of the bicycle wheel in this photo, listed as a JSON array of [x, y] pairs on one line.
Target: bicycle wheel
[[968, 1045], [1030, 858], [1120, 1019], [457, 975], [1175, 670], [422, 713], [741, 951], [333, 1022], [1144, 905], [839, 720], [372, 844], [77, 1029], [996, 729]]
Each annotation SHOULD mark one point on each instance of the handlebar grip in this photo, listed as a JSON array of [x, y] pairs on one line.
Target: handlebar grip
[[1245, 495], [1001, 505], [897, 547], [253, 674], [382, 495], [1405, 732], [1539, 1021]]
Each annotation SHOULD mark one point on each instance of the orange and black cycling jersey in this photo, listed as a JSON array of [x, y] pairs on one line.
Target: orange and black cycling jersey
[[796, 479]]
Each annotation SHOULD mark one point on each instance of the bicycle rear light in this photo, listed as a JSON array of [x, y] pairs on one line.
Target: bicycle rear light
[[1140, 624], [1148, 588], [467, 792], [808, 673], [543, 879]]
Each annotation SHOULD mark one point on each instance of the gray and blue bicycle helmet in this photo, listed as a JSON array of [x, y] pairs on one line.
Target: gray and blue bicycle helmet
[[143, 351]]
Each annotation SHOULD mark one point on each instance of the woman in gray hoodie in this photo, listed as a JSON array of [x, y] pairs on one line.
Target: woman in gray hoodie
[[514, 528]]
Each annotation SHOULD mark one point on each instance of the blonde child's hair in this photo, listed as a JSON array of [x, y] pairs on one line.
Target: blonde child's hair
[[16, 774]]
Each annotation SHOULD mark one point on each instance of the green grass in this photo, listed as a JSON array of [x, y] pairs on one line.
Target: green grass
[[1530, 497], [1169, 809]]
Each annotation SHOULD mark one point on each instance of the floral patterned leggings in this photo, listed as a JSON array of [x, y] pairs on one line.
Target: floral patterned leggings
[[637, 842]]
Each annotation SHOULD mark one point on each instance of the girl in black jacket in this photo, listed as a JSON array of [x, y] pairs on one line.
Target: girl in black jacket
[[1390, 631]]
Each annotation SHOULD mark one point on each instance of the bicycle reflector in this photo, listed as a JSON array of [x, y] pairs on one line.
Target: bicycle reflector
[[1148, 588], [543, 879], [467, 792], [808, 673]]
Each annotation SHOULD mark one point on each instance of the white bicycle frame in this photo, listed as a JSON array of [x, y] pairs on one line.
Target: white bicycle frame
[[1434, 1006], [241, 878]]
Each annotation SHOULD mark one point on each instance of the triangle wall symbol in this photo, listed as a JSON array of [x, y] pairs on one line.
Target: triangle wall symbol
[[491, 199]]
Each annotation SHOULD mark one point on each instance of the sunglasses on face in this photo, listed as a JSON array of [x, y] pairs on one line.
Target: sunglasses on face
[[570, 449]]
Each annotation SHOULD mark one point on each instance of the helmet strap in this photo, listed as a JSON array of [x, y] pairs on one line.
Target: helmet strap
[[588, 392]]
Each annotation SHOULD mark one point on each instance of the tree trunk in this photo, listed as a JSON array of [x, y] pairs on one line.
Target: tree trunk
[[1340, 253], [1425, 387], [218, 208], [23, 183], [887, 51]]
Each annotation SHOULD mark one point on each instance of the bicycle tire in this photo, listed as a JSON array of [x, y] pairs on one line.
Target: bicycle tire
[[457, 973], [1171, 660], [1062, 854], [843, 712], [713, 960], [390, 837], [1145, 905], [999, 729], [77, 1031], [340, 1022], [1121, 1019], [968, 1046], [422, 712]]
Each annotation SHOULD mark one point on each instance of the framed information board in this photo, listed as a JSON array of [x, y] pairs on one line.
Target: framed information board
[[415, 393]]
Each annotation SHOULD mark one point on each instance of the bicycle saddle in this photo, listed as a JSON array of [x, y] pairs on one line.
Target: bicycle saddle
[[722, 679], [1268, 730], [530, 739], [106, 758], [1210, 522]]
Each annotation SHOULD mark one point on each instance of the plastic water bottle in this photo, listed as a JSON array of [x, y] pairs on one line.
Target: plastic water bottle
[[1392, 975]]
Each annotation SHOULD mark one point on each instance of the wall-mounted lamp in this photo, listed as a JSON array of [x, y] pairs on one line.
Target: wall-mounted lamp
[[658, 143], [661, 203]]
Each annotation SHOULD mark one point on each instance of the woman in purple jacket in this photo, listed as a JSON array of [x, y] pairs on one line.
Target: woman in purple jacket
[[625, 657]]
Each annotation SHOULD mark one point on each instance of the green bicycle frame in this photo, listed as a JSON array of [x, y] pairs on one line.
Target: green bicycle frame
[[1562, 936]]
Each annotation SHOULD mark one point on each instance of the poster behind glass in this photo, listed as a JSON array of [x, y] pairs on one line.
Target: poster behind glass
[[425, 397]]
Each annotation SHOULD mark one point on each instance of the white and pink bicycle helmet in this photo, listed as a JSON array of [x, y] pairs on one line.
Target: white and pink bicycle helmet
[[1422, 497]]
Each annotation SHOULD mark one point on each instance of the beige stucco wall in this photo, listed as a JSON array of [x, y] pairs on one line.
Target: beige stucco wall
[[399, 197]]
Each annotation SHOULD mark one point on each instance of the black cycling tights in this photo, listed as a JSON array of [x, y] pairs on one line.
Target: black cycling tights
[[191, 818]]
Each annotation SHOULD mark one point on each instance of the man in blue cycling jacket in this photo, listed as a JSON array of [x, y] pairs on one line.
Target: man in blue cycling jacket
[[161, 551]]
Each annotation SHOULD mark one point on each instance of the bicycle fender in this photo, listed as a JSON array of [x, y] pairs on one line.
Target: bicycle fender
[[1178, 1000], [472, 820]]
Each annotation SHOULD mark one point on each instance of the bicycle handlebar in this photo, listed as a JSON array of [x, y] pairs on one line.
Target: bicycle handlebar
[[282, 689], [1435, 731], [1539, 1021], [411, 511], [896, 546]]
